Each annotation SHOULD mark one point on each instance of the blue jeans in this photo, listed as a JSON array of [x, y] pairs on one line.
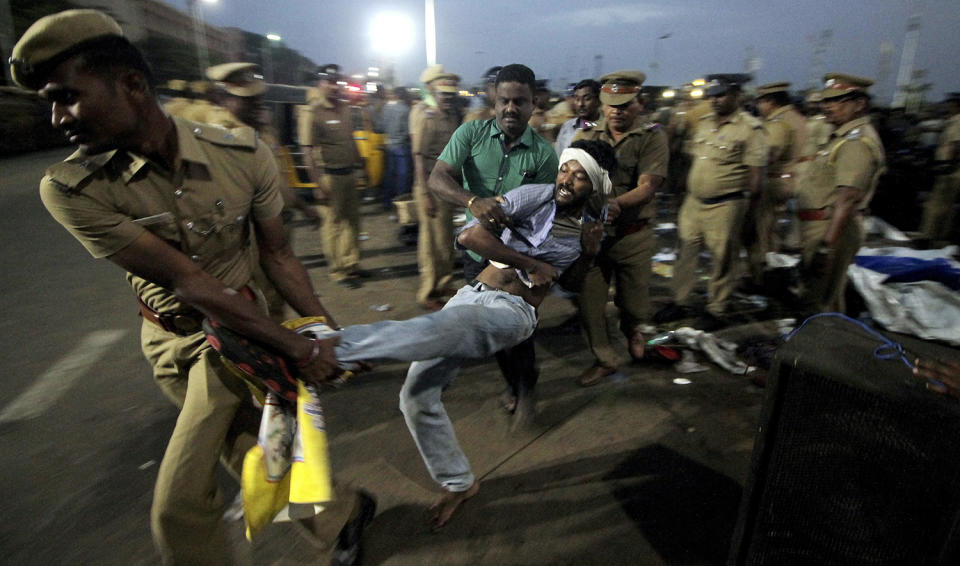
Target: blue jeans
[[475, 323], [398, 175]]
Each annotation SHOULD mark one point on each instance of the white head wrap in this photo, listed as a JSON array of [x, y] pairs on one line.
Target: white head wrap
[[598, 175]]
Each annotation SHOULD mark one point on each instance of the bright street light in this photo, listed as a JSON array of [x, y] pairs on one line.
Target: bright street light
[[273, 37], [391, 33]]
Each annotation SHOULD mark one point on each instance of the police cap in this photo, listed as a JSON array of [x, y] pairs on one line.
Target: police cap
[[620, 87], [53, 39], [772, 88], [836, 85], [239, 79], [720, 84]]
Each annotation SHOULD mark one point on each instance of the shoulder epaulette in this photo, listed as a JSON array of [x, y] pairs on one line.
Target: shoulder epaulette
[[854, 134], [652, 126], [70, 173], [752, 120], [244, 136]]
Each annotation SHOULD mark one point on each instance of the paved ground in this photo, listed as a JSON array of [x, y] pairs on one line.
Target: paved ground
[[637, 470]]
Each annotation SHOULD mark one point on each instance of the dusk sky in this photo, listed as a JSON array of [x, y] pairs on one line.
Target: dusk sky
[[559, 39]]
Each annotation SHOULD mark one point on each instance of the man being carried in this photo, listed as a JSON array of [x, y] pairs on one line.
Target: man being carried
[[499, 311]]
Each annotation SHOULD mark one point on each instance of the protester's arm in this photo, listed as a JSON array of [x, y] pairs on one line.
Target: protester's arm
[[482, 241]]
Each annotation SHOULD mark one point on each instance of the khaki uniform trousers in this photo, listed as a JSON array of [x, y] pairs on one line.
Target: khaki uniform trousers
[[434, 247], [217, 421], [824, 293], [626, 260], [938, 212], [718, 226], [341, 225]]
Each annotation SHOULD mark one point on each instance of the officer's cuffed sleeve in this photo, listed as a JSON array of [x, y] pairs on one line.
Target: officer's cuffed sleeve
[[656, 158], [854, 165], [267, 199], [101, 228]]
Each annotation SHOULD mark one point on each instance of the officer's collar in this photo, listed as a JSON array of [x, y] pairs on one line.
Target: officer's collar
[[844, 129], [526, 138], [781, 110], [188, 149]]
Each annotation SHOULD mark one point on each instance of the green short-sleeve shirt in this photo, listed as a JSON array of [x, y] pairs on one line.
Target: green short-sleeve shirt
[[476, 149]]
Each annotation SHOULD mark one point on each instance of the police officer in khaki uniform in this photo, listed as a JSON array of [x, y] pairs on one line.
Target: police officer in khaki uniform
[[625, 254], [786, 137], [237, 90], [332, 157], [729, 154], [938, 215], [539, 119], [174, 203], [432, 122], [836, 189]]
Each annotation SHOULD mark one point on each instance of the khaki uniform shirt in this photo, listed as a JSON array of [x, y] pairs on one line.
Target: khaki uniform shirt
[[818, 135], [642, 149], [786, 137], [221, 179], [483, 113], [853, 158], [723, 153], [430, 130], [328, 129]]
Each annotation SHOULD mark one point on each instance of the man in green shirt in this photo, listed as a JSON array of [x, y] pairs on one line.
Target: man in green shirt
[[483, 160]]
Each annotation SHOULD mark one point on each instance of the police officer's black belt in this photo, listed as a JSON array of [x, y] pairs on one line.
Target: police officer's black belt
[[340, 171], [179, 323], [721, 198], [183, 323]]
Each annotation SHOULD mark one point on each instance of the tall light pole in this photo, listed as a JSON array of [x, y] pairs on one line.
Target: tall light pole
[[430, 31], [199, 34], [272, 39]]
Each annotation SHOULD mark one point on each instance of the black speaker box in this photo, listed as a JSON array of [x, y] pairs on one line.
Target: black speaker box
[[855, 462]]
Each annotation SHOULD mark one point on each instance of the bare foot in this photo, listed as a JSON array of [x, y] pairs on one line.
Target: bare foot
[[441, 511]]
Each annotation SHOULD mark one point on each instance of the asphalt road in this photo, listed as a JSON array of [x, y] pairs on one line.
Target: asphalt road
[[81, 424]]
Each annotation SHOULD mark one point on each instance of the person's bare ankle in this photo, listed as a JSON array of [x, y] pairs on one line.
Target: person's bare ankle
[[441, 511]]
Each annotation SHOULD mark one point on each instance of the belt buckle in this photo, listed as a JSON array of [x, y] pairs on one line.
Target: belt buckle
[[185, 324]]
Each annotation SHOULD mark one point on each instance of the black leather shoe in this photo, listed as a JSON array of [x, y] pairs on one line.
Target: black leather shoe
[[348, 550]]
